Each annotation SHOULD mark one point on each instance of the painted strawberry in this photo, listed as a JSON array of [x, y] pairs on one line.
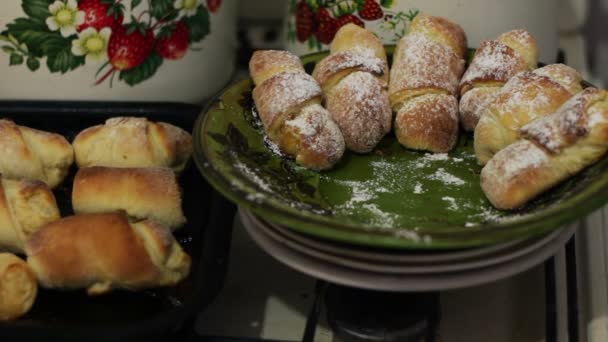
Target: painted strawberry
[[99, 14], [349, 18], [327, 26], [213, 5], [129, 46], [371, 10], [305, 24], [173, 43]]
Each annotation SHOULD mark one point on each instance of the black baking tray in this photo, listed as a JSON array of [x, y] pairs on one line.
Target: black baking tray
[[158, 314]]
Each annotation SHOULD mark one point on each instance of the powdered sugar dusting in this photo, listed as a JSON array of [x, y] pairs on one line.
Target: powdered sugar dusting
[[364, 61], [446, 178], [524, 93], [509, 163], [423, 63], [279, 93], [566, 76], [359, 104], [319, 134], [494, 61], [452, 202], [597, 117], [564, 127], [252, 175]]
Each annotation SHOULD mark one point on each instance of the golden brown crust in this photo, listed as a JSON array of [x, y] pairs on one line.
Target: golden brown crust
[[473, 103], [313, 137], [571, 122], [428, 122], [100, 252], [289, 104], [354, 80], [267, 63], [494, 63], [553, 148], [421, 65], [353, 38], [33, 154], [141, 192], [282, 96], [133, 142], [25, 206], [442, 31], [348, 62], [18, 287], [360, 106], [424, 79], [524, 43], [515, 174], [526, 97], [566, 76]]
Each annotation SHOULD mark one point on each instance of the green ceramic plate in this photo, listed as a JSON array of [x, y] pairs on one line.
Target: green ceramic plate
[[392, 197]]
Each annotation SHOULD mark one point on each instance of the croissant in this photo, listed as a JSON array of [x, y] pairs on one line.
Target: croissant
[[32, 154], [552, 149], [493, 64], [288, 101], [104, 251], [424, 78], [25, 206], [354, 79], [18, 287], [133, 142], [141, 192], [524, 98]]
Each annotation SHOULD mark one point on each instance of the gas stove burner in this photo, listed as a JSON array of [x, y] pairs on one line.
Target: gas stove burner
[[356, 315]]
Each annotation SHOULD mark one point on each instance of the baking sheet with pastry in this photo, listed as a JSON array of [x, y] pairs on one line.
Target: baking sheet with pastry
[[123, 314], [392, 197]]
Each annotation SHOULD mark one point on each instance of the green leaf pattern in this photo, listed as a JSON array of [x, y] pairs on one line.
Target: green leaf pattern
[[27, 41]]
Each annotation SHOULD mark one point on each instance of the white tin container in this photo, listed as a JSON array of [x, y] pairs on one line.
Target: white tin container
[[180, 50], [389, 19]]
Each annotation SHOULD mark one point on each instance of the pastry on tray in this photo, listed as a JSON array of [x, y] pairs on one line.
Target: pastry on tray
[[494, 63], [141, 192], [29, 153], [100, 252], [288, 101], [424, 78], [18, 287], [552, 149], [133, 142], [354, 79], [524, 98], [25, 206]]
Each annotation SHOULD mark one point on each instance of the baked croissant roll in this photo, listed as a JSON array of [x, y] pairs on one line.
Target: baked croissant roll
[[133, 142], [141, 192], [494, 63], [524, 98], [25, 206], [28, 153], [104, 251], [288, 101], [552, 149], [354, 79], [18, 287], [424, 78]]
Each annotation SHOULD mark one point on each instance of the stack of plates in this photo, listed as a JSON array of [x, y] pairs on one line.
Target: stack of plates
[[401, 270]]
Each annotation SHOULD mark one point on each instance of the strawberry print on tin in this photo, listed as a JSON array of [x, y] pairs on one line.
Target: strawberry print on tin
[[128, 40], [315, 22]]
